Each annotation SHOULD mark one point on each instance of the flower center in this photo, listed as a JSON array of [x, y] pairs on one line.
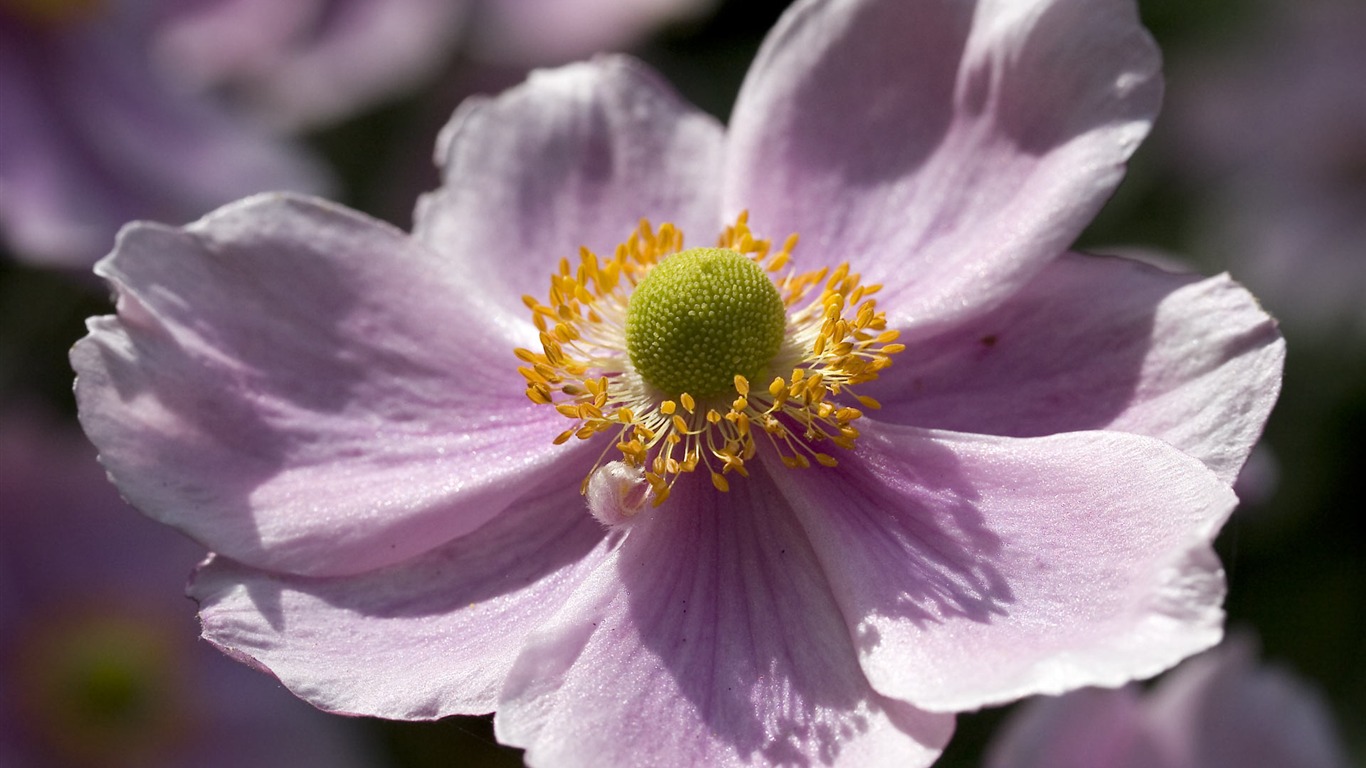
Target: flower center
[[658, 345], [702, 317]]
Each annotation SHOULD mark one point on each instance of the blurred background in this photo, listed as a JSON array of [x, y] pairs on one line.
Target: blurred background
[[163, 109]]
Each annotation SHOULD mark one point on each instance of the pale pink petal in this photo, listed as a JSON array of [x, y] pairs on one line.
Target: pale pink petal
[[574, 157], [1089, 728], [975, 570], [1101, 343], [430, 637], [710, 638], [1225, 711], [305, 389], [946, 149]]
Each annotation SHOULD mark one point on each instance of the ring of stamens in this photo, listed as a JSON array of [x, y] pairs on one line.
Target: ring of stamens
[[835, 339]]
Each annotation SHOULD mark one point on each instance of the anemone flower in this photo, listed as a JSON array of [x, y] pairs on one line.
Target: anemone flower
[[1219, 710], [99, 666], [886, 452], [94, 135]]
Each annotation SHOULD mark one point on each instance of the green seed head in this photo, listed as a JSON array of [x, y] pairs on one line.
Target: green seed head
[[701, 317]]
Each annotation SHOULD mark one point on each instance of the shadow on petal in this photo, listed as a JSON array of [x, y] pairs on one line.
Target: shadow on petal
[[299, 388], [922, 519], [1064, 354], [430, 637], [728, 598]]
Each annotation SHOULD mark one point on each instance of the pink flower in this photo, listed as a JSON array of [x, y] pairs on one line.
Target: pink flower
[[92, 135], [99, 665], [1220, 710], [334, 407]]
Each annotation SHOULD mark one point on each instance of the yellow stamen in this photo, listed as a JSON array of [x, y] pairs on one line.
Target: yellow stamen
[[835, 339]]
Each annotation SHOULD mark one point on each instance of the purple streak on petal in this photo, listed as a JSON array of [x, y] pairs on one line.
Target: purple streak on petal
[[429, 637], [948, 150], [712, 617], [308, 390], [974, 570], [1101, 343], [575, 157]]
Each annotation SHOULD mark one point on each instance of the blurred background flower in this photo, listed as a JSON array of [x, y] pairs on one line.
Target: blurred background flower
[[91, 134], [305, 63], [1269, 131], [1218, 710], [100, 662], [1274, 87], [114, 110]]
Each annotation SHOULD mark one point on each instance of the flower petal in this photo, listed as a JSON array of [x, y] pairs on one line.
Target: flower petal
[[976, 570], [574, 157], [304, 389], [430, 637], [1001, 131], [713, 623], [1101, 343]]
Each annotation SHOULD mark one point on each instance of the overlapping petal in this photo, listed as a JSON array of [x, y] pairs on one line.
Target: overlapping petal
[[709, 638], [574, 157], [429, 637], [1101, 343], [946, 149], [307, 390], [974, 570]]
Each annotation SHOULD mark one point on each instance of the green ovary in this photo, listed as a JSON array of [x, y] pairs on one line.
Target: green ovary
[[701, 317]]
